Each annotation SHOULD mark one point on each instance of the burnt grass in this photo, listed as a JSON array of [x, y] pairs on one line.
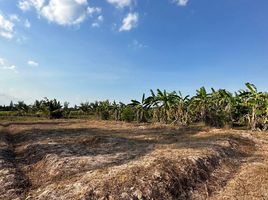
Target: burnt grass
[[113, 160]]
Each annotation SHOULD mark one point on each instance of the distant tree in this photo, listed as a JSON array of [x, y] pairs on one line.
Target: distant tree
[[53, 108], [11, 105]]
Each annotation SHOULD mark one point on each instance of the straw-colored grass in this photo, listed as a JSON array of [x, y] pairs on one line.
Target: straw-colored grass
[[79, 159]]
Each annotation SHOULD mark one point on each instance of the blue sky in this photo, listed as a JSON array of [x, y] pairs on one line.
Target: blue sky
[[79, 50]]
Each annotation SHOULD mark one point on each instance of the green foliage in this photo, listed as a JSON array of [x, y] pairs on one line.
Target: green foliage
[[53, 108], [128, 114], [218, 108]]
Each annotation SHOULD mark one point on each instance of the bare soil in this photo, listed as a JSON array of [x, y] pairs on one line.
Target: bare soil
[[78, 159]]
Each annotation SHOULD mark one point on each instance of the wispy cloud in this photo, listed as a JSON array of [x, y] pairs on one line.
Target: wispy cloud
[[120, 3], [129, 22], [14, 17], [9, 26], [181, 2], [6, 27], [27, 24], [33, 63], [137, 45], [98, 22], [94, 10], [6, 66]]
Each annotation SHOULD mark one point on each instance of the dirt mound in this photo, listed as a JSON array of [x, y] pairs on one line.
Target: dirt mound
[[13, 183]]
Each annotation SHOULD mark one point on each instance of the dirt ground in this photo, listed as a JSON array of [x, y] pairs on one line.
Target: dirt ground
[[78, 159]]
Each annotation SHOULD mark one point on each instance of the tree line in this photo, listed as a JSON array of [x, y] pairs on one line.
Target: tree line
[[247, 107]]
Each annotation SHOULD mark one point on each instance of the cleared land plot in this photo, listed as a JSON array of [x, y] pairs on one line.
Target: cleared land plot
[[115, 160]]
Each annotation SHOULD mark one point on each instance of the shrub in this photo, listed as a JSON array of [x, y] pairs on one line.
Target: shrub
[[56, 114], [104, 115], [128, 114]]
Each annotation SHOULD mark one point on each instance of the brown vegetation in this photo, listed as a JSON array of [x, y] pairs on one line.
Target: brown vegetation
[[75, 159]]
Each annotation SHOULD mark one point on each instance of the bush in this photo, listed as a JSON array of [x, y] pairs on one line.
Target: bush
[[128, 114], [56, 114], [104, 115]]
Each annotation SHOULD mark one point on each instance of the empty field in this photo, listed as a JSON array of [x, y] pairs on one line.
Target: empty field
[[79, 159]]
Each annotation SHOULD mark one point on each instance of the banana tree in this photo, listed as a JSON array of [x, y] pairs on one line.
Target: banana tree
[[255, 102], [200, 103], [166, 101], [53, 108], [180, 109], [141, 108], [152, 103], [22, 108], [103, 109], [220, 108], [116, 110], [85, 107]]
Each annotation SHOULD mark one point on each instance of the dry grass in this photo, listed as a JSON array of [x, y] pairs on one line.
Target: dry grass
[[78, 159]]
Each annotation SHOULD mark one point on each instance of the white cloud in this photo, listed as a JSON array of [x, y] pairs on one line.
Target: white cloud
[[6, 35], [33, 63], [14, 17], [26, 5], [62, 12], [129, 22], [100, 18], [95, 25], [6, 27], [120, 3], [27, 24], [137, 45], [6, 24], [5, 66], [98, 21], [93, 10], [65, 12], [181, 2]]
